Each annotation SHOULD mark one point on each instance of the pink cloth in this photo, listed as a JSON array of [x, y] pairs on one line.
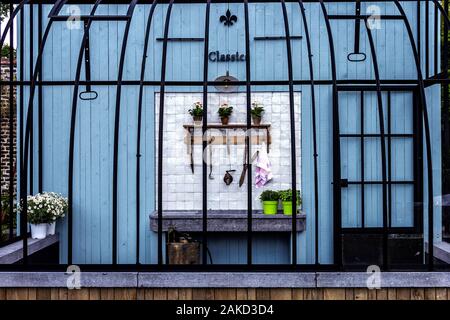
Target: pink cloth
[[263, 171]]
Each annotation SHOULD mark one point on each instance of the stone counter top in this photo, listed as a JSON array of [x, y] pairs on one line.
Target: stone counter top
[[226, 221]]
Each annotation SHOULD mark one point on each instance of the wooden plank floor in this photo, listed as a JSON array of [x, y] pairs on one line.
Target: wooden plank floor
[[224, 294]]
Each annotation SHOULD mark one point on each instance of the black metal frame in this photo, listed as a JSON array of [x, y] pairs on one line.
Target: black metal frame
[[379, 85]]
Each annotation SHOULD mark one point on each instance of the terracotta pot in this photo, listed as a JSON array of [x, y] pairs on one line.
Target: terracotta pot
[[256, 120], [224, 120]]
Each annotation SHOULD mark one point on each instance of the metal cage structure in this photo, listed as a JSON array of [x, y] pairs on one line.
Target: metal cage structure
[[35, 84]]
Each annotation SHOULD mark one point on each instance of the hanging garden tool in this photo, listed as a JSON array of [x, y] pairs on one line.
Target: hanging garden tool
[[192, 152], [245, 166], [356, 55], [228, 178], [88, 94], [210, 159]]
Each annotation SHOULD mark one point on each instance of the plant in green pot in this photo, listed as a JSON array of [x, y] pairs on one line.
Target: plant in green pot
[[197, 113], [286, 201], [225, 112], [257, 112], [270, 199]]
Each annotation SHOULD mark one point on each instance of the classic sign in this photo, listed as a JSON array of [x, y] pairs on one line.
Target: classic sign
[[216, 56]]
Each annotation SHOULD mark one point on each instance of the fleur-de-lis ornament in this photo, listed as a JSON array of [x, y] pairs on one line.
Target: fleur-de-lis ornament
[[228, 19]]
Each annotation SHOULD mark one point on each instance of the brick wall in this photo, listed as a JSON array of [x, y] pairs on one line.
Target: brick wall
[[5, 129]]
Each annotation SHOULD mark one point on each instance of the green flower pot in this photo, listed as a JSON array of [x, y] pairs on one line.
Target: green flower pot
[[270, 207], [287, 208]]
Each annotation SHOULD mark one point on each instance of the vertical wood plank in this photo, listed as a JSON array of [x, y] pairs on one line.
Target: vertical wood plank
[[43, 294], [371, 294], [403, 294], [78, 294], [185, 294], [63, 293], [298, 294], [349, 294], [417, 294], [2, 294], [140, 294], [382, 294], [225, 294], [149, 294], [94, 294], [125, 294], [107, 293], [361, 294], [172, 294], [430, 294], [280, 294], [334, 294], [263, 294], [16, 294], [251, 294], [241, 294], [392, 294], [441, 294], [32, 293], [313, 294], [160, 294]]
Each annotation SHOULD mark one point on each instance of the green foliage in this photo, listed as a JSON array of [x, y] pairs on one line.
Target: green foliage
[[257, 110], [225, 110], [269, 195], [45, 207], [4, 11], [5, 52], [286, 195], [197, 110]]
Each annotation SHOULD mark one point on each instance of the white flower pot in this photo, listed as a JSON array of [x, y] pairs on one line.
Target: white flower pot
[[51, 227], [39, 231]]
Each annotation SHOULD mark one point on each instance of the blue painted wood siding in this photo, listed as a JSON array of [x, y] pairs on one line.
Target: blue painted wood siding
[[95, 119]]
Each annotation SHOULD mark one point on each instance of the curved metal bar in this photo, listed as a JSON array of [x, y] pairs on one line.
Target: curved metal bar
[[313, 111], [247, 140], [443, 13], [336, 147], [292, 125], [117, 127], [383, 145], [160, 130], [204, 129], [423, 105], [139, 129], [11, 21], [24, 169], [72, 132]]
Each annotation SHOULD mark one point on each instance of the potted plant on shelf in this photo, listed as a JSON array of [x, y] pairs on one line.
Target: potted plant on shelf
[[286, 201], [197, 113], [270, 199], [43, 209], [59, 205], [257, 112], [225, 112]]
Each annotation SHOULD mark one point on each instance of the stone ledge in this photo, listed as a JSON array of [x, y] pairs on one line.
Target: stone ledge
[[12, 253], [226, 221], [224, 280]]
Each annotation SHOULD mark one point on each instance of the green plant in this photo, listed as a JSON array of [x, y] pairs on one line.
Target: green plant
[[269, 195], [225, 110], [257, 110], [197, 110], [286, 195], [4, 10]]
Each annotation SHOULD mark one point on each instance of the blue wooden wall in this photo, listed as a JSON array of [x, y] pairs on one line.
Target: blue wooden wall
[[95, 119]]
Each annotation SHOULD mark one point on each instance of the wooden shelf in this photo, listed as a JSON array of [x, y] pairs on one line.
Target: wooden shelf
[[228, 126]]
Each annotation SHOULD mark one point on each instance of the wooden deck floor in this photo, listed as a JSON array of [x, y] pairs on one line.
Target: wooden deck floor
[[225, 294]]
